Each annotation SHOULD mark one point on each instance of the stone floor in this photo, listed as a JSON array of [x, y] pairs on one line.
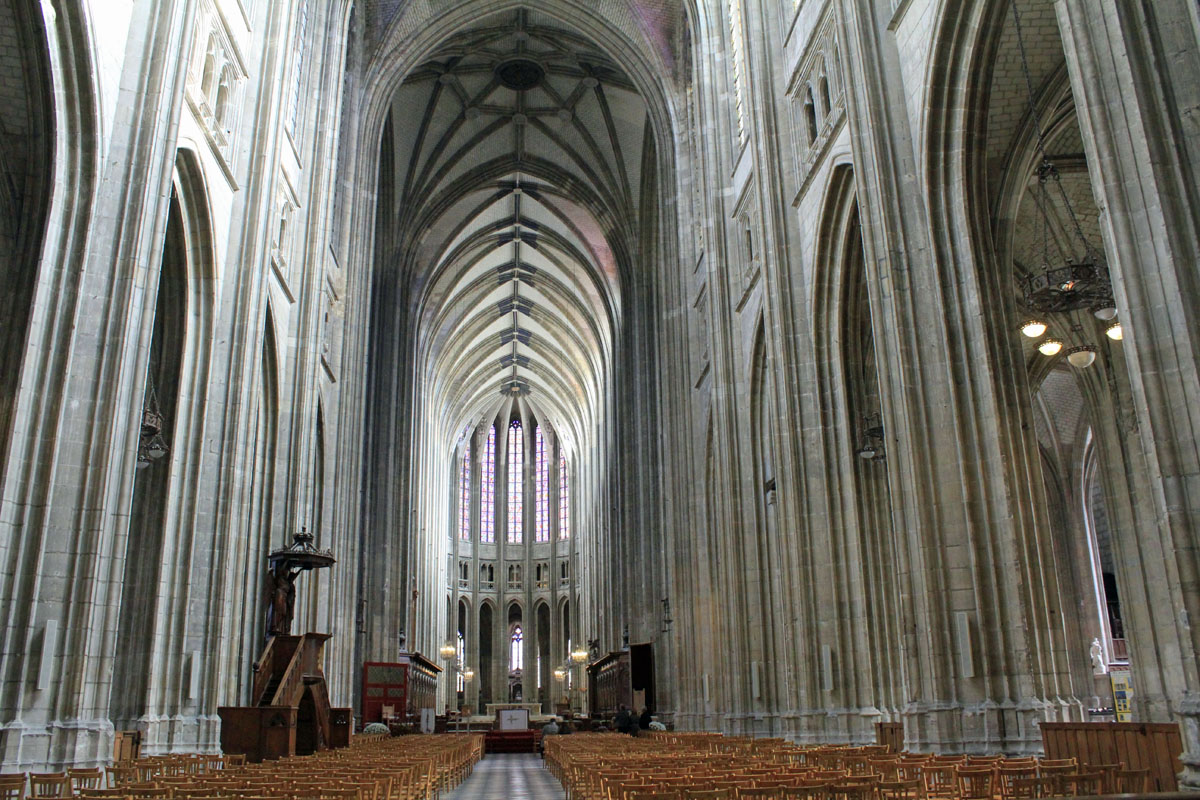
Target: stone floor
[[508, 776]]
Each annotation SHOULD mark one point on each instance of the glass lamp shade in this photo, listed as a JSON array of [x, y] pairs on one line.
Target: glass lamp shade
[[448, 650], [1050, 347], [1114, 332], [1104, 313], [866, 453], [579, 656], [1081, 357], [468, 674], [1033, 328], [157, 448]]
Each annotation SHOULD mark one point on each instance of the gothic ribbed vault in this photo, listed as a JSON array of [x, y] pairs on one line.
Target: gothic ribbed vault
[[520, 150]]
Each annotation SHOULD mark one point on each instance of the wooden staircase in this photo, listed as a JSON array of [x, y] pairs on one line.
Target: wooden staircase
[[291, 714]]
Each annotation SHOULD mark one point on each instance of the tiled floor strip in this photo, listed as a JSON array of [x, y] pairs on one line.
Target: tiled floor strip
[[509, 776]]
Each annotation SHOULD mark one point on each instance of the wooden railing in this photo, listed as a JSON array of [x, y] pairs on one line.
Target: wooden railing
[[1138, 745]]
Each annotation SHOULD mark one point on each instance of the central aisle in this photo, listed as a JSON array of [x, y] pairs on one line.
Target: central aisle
[[509, 776]]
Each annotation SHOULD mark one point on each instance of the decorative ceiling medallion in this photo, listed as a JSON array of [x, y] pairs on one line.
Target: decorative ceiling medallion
[[520, 74]]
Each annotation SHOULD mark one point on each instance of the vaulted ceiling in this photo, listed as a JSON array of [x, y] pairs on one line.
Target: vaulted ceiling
[[518, 158]]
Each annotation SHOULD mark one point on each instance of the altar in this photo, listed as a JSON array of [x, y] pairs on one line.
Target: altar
[[534, 709], [516, 727]]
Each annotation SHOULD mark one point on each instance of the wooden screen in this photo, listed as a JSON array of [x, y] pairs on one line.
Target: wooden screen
[[384, 684]]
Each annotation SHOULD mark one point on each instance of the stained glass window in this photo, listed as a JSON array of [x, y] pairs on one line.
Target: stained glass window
[[543, 488], [464, 495], [515, 659], [735, 31], [564, 499], [487, 491], [516, 465], [293, 110], [460, 683]]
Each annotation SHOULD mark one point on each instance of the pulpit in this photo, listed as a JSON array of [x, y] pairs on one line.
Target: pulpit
[[290, 714]]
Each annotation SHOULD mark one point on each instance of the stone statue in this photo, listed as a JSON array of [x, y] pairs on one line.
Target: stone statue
[[1097, 656], [281, 604]]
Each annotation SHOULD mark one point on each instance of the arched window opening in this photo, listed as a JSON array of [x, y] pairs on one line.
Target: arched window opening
[[543, 487], [735, 36], [298, 47], [221, 106], [516, 466], [208, 80], [823, 89], [485, 653], [515, 658], [487, 490], [564, 500], [460, 647], [810, 115], [464, 495]]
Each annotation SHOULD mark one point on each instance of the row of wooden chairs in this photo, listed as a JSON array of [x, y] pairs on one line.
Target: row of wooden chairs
[[710, 767], [373, 768]]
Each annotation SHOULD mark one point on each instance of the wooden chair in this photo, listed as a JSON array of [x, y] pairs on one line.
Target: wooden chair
[[809, 788], [102, 794], [828, 774], [1049, 786], [775, 783], [1131, 781], [912, 789], [1007, 776], [145, 789], [337, 793], [976, 783], [1084, 783], [941, 780], [852, 791], [1025, 788], [86, 779], [653, 794], [707, 794], [1057, 764], [49, 784], [1055, 775], [760, 793], [1106, 771], [12, 787]]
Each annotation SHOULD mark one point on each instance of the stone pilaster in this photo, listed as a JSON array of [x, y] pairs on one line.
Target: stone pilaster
[[1135, 73]]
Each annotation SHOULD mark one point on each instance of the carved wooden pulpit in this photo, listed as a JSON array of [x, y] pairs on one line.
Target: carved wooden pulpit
[[291, 714]]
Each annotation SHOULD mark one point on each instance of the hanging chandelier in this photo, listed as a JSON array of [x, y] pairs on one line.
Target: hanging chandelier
[[1065, 279], [151, 444], [871, 438]]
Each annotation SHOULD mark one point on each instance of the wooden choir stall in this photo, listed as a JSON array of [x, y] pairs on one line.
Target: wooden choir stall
[[624, 677], [397, 691]]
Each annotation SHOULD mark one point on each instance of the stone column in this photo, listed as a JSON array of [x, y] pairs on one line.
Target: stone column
[[66, 512], [1135, 73], [985, 654]]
